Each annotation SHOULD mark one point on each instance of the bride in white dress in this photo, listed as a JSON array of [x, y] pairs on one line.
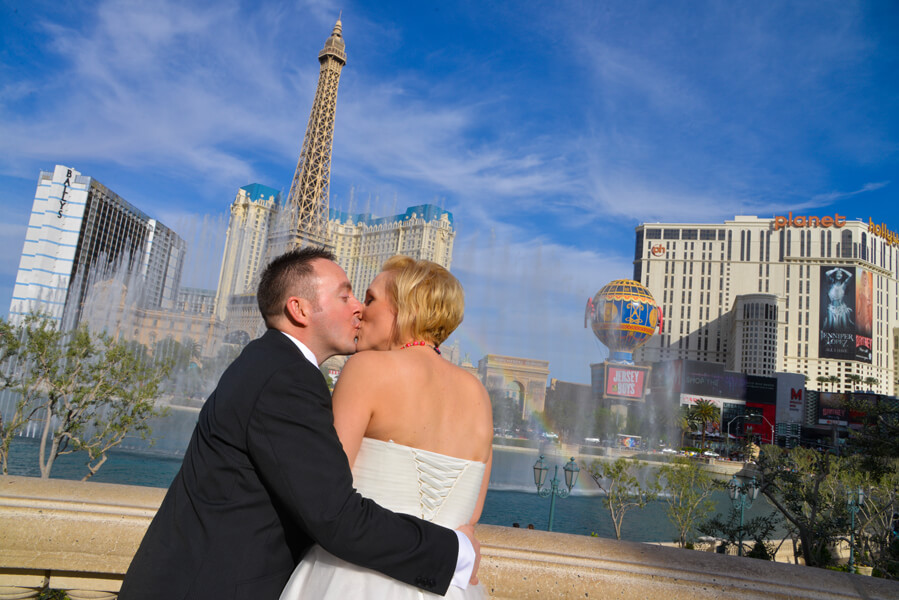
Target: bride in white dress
[[417, 429]]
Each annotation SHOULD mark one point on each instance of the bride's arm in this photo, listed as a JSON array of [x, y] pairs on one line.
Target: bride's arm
[[352, 402], [487, 433], [480, 505]]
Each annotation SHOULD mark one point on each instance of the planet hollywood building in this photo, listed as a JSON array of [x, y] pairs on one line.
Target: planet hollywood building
[[807, 294]]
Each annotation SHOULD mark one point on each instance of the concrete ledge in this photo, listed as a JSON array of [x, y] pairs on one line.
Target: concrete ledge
[[60, 525], [81, 536], [520, 563]]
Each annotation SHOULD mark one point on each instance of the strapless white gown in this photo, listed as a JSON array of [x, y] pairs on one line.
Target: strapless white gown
[[434, 487]]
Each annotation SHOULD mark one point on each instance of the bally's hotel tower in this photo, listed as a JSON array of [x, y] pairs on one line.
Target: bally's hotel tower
[[81, 232], [817, 295]]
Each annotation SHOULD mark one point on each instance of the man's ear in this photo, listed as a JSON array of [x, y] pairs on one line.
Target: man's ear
[[298, 310]]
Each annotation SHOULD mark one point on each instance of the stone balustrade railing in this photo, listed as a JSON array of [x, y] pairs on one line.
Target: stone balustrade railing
[[80, 537]]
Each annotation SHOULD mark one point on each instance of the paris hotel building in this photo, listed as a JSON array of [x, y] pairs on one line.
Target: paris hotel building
[[810, 294], [361, 244]]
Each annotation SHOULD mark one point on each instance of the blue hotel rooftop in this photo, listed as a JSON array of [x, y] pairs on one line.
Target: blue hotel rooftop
[[428, 212], [257, 192]]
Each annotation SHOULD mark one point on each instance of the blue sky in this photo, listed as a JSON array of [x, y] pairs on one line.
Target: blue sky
[[549, 129]]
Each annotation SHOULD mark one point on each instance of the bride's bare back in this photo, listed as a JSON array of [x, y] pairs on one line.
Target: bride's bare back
[[416, 398], [404, 391]]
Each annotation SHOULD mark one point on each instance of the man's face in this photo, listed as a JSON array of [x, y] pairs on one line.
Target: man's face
[[337, 319]]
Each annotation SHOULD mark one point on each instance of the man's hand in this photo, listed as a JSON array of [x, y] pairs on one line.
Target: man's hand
[[468, 530]]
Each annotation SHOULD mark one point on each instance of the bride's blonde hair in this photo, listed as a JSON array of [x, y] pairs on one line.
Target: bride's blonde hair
[[429, 300]]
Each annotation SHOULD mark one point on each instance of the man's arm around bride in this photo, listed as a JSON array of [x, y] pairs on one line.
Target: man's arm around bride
[[265, 476]]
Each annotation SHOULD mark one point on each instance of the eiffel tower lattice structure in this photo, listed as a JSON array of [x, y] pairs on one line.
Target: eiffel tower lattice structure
[[305, 218]]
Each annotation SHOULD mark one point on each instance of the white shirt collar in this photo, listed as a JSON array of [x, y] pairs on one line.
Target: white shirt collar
[[306, 351]]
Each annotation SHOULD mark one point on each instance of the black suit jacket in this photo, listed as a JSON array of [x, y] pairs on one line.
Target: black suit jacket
[[263, 478]]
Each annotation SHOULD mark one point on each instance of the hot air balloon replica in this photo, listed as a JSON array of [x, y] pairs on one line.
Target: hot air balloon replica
[[623, 315]]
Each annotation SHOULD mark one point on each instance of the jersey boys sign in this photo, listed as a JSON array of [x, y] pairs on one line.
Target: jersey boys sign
[[625, 383]]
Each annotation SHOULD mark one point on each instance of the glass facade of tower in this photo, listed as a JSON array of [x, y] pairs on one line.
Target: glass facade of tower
[[81, 233]]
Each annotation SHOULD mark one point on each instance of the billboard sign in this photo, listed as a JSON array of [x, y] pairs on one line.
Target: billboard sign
[[861, 405], [760, 389], [689, 400], [629, 441], [710, 379], [832, 408], [864, 293], [790, 397], [846, 312], [625, 382]]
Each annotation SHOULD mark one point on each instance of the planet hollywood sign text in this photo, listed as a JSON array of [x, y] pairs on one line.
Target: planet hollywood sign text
[[881, 231], [836, 221]]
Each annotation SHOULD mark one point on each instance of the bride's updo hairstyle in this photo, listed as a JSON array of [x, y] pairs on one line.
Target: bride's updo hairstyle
[[429, 300]]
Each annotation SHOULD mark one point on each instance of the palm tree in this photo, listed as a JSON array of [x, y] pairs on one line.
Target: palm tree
[[822, 381], [853, 380], [834, 379], [705, 411], [871, 381], [683, 420]]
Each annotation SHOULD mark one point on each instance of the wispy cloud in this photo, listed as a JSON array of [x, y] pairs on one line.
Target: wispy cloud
[[830, 197], [172, 87], [182, 88], [549, 137], [717, 118], [388, 136]]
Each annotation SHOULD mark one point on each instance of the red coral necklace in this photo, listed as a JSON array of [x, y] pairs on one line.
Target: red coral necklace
[[420, 343]]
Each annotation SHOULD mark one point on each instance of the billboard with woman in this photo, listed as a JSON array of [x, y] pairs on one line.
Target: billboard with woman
[[845, 328], [864, 292]]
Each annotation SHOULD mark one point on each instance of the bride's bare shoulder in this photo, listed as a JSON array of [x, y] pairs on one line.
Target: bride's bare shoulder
[[467, 377], [369, 364], [365, 359]]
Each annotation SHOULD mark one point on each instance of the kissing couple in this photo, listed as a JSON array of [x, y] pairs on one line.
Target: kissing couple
[[264, 505]]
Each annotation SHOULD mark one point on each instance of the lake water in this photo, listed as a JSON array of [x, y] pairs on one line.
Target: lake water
[[581, 514]]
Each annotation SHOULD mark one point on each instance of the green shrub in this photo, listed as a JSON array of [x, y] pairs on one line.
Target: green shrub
[[759, 551]]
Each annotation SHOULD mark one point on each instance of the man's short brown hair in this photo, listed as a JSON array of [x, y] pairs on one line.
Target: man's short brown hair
[[290, 274]]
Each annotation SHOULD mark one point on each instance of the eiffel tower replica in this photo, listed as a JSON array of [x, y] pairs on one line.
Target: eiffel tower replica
[[304, 218]]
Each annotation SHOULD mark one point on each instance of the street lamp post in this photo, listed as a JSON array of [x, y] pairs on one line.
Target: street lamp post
[[742, 495], [747, 417], [771, 426], [856, 500], [571, 472]]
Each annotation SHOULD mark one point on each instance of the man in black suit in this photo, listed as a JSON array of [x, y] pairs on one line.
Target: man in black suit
[[265, 476]]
